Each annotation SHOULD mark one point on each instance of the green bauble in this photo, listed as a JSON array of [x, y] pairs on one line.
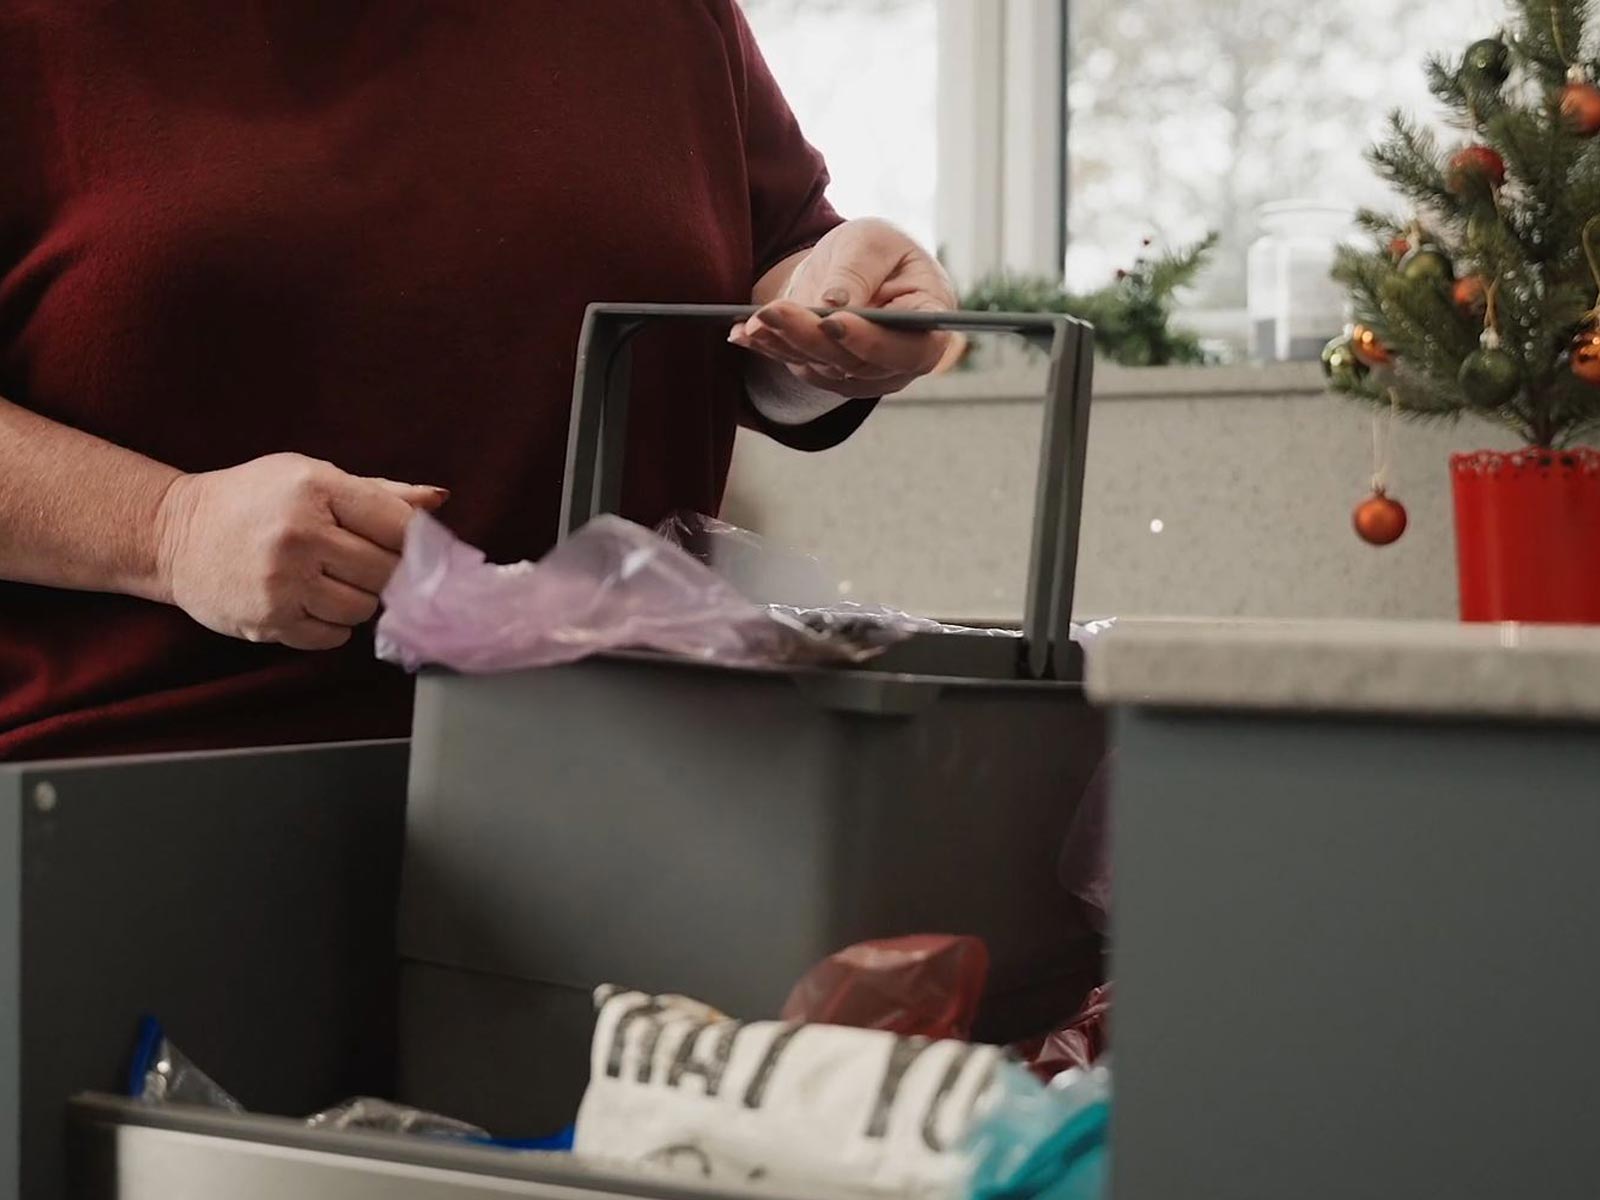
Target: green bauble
[[1428, 263], [1489, 377], [1340, 364], [1488, 61]]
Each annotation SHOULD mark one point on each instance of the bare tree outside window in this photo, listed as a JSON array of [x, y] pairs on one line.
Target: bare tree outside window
[[1188, 115]]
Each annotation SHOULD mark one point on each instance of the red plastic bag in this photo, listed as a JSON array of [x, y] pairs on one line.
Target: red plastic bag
[[926, 985], [1079, 1043]]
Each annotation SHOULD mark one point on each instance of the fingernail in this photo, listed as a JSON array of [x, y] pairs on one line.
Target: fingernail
[[736, 335], [442, 493], [835, 297], [833, 329]]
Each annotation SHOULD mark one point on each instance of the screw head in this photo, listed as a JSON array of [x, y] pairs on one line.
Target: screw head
[[44, 796]]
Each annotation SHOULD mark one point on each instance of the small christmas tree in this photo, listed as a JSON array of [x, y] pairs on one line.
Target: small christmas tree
[[1488, 300]]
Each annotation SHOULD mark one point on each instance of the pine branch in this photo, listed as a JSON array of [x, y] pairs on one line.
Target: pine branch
[[1177, 268], [1410, 160]]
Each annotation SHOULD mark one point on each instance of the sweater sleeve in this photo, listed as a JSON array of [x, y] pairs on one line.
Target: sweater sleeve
[[789, 212]]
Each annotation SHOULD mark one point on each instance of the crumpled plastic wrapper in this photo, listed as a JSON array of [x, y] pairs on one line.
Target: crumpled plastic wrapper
[[163, 1074], [611, 586], [925, 985], [368, 1114]]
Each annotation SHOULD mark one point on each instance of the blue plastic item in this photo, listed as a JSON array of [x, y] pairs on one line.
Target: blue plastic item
[[1042, 1143]]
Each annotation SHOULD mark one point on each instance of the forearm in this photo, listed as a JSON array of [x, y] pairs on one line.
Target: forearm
[[76, 511]]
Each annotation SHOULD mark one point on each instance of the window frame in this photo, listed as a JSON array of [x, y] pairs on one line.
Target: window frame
[[1001, 193]]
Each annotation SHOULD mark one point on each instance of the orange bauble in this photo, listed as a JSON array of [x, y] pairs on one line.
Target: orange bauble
[[1368, 349], [1580, 108], [1379, 520], [1470, 294], [1585, 356]]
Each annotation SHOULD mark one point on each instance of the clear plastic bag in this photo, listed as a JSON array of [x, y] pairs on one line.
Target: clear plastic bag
[[926, 985], [162, 1074], [1085, 863], [797, 587], [612, 586], [367, 1113]]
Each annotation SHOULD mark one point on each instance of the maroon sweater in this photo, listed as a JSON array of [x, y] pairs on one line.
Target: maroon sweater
[[363, 230]]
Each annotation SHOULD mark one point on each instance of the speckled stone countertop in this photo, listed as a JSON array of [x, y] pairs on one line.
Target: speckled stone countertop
[[1425, 668]]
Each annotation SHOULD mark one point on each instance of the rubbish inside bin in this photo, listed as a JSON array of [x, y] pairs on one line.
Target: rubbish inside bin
[[1049, 1143], [367, 1113], [1076, 1046], [161, 1074], [826, 1108], [790, 1105], [926, 985], [795, 585], [612, 586]]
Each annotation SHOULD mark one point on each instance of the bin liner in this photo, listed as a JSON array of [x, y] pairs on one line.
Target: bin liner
[[613, 585], [926, 985]]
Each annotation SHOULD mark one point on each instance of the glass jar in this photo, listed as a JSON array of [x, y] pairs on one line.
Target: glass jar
[[1295, 306]]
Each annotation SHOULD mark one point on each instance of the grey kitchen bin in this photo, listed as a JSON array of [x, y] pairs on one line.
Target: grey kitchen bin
[[684, 827]]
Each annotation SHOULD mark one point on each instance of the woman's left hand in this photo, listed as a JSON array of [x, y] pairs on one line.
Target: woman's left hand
[[860, 264]]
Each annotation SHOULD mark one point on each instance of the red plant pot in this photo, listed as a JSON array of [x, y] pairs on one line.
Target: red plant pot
[[1528, 535]]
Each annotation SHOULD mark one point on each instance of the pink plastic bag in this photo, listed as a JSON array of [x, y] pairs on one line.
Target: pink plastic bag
[[926, 985], [613, 585]]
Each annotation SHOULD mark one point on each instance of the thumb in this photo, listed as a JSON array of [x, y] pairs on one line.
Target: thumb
[[847, 285], [419, 495]]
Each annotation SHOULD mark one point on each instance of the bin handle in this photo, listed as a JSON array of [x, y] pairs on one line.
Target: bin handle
[[601, 391]]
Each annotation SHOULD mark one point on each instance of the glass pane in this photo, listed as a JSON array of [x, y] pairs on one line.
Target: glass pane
[[861, 76], [1188, 115]]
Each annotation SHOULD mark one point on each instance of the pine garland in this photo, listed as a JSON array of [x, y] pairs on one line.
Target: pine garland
[[1132, 315], [1525, 238]]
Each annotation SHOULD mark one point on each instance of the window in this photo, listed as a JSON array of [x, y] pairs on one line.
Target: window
[[1181, 116], [1189, 115], [861, 77]]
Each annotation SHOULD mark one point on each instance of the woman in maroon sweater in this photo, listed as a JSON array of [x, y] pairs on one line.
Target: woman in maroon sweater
[[260, 259]]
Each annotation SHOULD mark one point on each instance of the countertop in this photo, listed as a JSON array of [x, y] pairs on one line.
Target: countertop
[[1423, 668]]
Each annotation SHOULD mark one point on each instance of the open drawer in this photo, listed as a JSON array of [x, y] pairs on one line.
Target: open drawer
[[123, 1150]]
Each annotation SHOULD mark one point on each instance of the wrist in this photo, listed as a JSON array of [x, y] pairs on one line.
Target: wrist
[[167, 531]]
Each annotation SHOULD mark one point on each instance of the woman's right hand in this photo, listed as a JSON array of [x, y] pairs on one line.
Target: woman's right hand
[[285, 548]]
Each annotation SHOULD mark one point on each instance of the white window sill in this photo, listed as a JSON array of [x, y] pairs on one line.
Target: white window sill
[[1011, 383]]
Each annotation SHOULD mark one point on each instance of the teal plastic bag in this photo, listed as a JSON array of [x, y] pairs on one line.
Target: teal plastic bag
[[1042, 1142]]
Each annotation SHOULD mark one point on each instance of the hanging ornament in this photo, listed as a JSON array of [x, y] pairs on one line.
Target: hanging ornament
[[1489, 375], [1487, 61], [1368, 348], [1470, 296], [1583, 356], [1380, 519], [1427, 262], [1340, 364], [1580, 104], [1470, 164]]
